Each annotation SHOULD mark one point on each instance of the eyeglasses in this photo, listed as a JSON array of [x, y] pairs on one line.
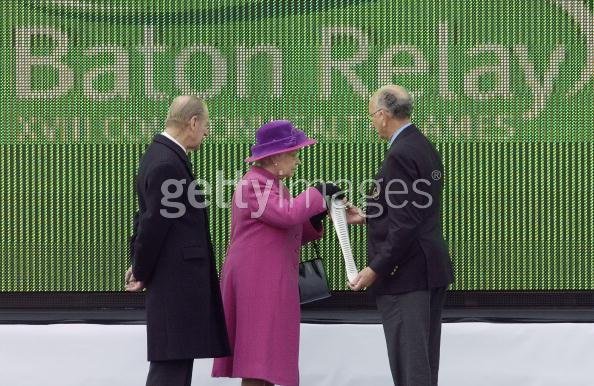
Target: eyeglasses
[[375, 112]]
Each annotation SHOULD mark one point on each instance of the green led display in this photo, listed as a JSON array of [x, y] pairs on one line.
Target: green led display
[[504, 89]]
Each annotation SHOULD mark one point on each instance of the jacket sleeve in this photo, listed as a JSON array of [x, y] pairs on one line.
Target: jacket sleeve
[[277, 208], [404, 218], [132, 238], [310, 233], [153, 226]]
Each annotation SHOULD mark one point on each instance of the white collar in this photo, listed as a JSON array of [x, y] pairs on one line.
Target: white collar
[[166, 134]]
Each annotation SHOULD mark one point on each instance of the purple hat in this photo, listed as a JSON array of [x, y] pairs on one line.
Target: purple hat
[[277, 137]]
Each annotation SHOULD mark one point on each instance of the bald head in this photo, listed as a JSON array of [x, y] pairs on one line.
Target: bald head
[[395, 100], [183, 108]]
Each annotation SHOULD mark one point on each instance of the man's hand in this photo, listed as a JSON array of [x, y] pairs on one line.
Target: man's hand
[[134, 286], [354, 215], [131, 284], [364, 279], [128, 275]]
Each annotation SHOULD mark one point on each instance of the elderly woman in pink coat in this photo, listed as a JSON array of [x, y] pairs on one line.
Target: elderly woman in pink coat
[[259, 280]]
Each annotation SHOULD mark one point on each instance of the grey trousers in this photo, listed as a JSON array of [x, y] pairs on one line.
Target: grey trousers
[[170, 373], [412, 326]]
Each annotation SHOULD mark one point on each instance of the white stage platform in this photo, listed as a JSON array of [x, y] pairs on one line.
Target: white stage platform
[[473, 354]]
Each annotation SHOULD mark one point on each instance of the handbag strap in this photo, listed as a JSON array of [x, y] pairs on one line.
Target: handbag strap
[[316, 249]]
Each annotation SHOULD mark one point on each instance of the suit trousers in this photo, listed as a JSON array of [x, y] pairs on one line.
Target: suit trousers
[[412, 327], [170, 373]]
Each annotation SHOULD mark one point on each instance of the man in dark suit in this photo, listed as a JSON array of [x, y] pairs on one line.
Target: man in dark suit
[[409, 265], [172, 252]]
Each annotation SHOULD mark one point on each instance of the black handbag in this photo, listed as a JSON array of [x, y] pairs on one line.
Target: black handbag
[[313, 284]]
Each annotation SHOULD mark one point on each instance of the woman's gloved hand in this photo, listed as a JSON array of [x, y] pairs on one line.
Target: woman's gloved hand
[[328, 189]]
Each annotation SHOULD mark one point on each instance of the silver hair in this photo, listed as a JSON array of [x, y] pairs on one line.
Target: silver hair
[[397, 101], [183, 108]]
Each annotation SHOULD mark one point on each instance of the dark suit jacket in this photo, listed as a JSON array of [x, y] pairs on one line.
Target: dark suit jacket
[[174, 257], [405, 243]]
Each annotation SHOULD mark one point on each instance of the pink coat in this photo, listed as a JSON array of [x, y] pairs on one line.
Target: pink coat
[[259, 279]]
